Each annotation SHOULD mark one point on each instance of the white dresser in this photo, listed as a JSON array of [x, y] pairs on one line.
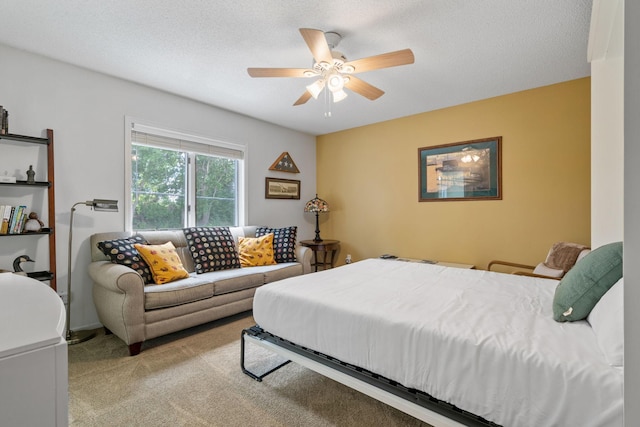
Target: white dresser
[[33, 354]]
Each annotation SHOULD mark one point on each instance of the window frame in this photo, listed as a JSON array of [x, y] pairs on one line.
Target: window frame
[[134, 124]]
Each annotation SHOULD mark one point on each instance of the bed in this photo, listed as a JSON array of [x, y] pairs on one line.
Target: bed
[[477, 343]]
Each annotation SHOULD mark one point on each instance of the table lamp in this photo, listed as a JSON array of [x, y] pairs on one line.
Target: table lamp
[[316, 205]]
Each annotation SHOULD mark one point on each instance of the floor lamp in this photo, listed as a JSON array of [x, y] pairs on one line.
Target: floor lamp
[[75, 337]]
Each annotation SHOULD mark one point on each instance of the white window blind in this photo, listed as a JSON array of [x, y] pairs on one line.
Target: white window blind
[[169, 140]]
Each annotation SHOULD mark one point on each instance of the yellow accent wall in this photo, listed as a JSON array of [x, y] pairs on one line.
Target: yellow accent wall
[[369, 177]]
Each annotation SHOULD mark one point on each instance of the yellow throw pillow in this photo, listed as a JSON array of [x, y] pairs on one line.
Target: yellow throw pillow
[[163, 261], [256, 251]]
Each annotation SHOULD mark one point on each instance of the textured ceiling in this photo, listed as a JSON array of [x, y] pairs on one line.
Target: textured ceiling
[[465, 50]]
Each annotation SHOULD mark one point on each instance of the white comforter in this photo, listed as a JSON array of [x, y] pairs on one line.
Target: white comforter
[[483, 341]]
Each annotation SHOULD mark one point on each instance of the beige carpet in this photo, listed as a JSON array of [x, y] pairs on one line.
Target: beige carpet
[[193, 378]]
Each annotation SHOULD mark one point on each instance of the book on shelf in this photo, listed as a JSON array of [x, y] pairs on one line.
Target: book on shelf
[[14, 219], [4, 220], [12, 216], [12, 212], [4, 121], [22, 221], [17, 219]]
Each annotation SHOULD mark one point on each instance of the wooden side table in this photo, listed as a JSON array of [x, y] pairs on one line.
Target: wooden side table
[[328, 249]]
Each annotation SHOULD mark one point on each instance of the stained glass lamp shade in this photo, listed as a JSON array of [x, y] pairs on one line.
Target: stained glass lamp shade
[[316, 205]]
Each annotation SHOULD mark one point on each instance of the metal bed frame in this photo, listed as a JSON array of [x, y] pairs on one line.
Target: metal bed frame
[[411, 401]]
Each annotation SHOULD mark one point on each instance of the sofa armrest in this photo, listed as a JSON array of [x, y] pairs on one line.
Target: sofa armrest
[[118, 294], [303, 255], [116, 277]]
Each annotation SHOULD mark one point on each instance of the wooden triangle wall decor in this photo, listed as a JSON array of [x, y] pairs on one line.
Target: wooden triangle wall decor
[[284, 164]]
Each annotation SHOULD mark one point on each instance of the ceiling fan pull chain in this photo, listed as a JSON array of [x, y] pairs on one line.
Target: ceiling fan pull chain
[[327, 104]]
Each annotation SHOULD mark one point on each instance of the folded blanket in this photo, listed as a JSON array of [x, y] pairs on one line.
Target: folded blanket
[[563, 255]]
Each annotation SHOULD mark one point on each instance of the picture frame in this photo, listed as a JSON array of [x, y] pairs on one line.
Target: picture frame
[[277, 188], [467, 170]]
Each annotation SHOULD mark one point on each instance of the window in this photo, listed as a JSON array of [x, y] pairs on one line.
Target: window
[[177, 180]]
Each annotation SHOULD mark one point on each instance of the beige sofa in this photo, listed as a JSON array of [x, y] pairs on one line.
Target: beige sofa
[[135, 312]]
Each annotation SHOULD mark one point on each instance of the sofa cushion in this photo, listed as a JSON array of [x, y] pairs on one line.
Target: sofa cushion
[[237, 233], [164, 262], [254, 251], [284, 242], [212, 248], [235, 279], [122, 251], [273, 273], [182, 291]]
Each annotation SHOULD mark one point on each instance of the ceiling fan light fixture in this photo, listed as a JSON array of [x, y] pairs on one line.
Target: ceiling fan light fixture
[[338, 60], [335, 81], [349, 69], [339, 95], [323, 65], [315, 88]]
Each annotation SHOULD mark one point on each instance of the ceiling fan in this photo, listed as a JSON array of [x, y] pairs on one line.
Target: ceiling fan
[[332, 69]]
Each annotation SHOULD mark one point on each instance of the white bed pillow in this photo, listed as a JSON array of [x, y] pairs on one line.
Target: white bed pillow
[[582, 254], [607, 321], [547, 271]]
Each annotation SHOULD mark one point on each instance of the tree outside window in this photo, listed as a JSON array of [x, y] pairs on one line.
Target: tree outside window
[[216, 191], [161, 197]]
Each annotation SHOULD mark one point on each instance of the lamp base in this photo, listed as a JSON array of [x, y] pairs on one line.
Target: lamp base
[[76, 337], [317, 239]]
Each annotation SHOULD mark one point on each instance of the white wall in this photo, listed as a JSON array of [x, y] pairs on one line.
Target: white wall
[[616, 116], [615, 95], [606, 43], [86, 111], [632, 213]]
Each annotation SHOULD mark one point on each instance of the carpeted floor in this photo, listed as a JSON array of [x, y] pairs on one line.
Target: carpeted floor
[[193, 378]]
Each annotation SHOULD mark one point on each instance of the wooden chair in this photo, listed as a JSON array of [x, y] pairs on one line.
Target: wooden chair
[[560, 258]]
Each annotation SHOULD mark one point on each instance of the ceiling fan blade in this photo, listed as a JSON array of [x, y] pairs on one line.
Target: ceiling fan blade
[[317, 43], [363, 88], [277, 72], [304, 98], [385, 60]]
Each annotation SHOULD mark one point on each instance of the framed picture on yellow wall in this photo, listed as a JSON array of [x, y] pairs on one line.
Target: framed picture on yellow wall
[[467, 170]]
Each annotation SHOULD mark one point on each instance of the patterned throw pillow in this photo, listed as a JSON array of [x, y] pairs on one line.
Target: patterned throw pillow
[[121, 251], [164, 262], [256, 251], [212, 248], [284, 242]]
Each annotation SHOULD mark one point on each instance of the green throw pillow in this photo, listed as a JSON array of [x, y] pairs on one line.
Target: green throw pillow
[[583, 286]]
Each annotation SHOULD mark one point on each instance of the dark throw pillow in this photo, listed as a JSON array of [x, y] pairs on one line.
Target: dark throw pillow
[[122, 251], [212, 248], [284, 242], [583, 286]]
